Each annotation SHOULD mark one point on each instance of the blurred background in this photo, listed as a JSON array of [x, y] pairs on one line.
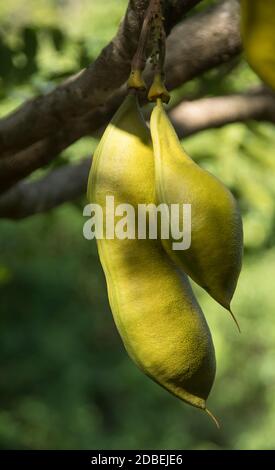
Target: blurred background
[[66, 381]]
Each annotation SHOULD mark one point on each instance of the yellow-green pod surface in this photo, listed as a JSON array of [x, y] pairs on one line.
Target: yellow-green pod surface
[[214, 258], [159, 320], [258, 35]]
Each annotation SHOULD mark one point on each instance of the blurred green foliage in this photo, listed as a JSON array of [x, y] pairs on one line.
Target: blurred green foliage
[[66, 381]]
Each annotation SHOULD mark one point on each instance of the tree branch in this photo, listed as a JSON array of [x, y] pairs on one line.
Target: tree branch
[[198, 44], [20, 165], [69, 182], [202, 42], [44, 115], [190, 117], [59, 186]]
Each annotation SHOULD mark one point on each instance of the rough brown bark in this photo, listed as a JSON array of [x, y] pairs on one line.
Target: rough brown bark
[[203, 41]]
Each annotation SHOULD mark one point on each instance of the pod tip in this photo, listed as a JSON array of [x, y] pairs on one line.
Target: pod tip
[[213, 418], [234, 318]]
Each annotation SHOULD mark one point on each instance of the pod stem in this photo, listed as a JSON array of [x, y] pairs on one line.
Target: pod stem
[[138, 63], [158, 88], [213, 418]]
